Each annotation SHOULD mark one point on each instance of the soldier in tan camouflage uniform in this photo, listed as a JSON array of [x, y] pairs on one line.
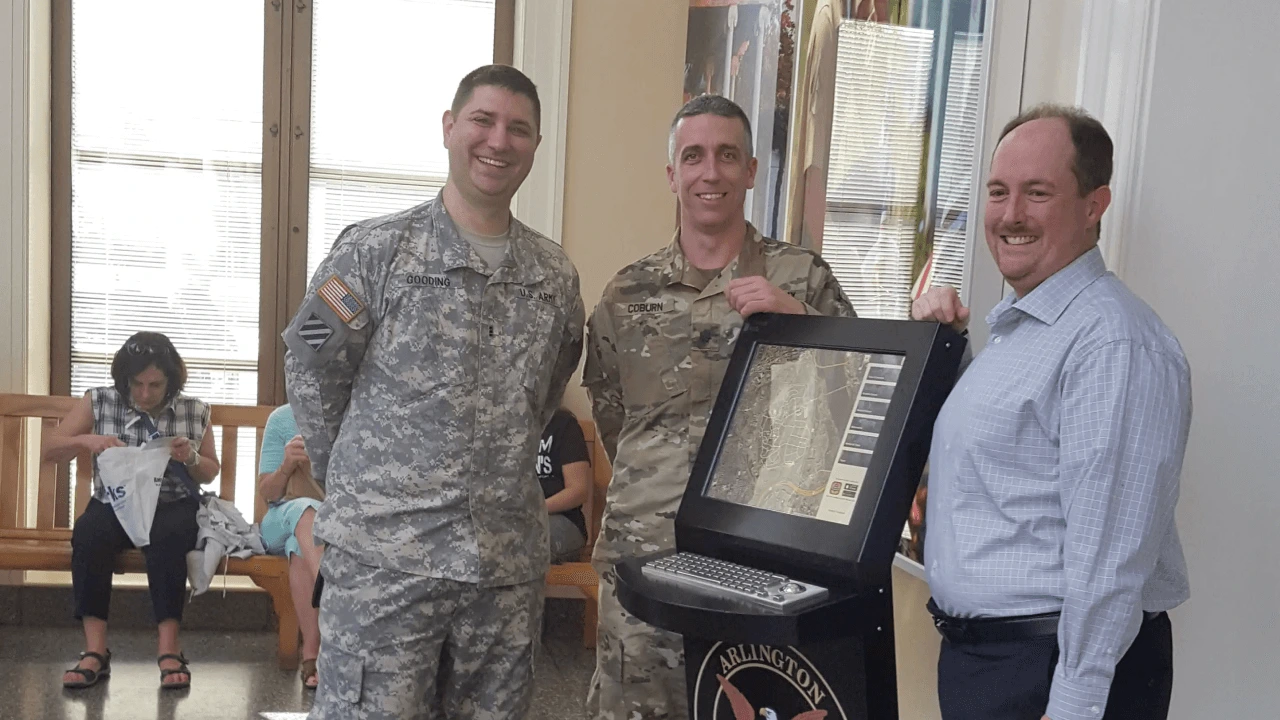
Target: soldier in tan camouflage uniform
[[658, 346], [430, 351]]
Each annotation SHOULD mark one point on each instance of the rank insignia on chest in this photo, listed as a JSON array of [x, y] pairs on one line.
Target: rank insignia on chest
[[339, 298]]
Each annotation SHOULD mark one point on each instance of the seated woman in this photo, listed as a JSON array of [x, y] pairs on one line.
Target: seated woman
[[564, 470], [144, 403], [286, 528]]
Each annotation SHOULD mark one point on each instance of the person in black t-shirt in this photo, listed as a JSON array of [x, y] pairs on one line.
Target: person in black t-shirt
[[564, 470]]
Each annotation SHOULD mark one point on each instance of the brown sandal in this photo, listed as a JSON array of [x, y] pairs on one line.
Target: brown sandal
[[88, 677], [182, 669], [306, 671]]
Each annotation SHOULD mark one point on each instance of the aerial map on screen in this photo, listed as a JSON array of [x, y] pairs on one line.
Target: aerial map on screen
[[804, 430]]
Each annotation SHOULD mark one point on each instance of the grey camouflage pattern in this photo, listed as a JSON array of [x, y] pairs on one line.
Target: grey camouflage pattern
[[422, 414], [383, 633], [657, 350]]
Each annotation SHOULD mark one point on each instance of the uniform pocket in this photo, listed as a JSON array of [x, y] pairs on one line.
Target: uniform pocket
[[425, 337], [533, 333], [652, 379], [341, 674]]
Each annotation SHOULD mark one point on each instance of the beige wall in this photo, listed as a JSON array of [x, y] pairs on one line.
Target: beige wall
[[624, 85], [1203, 253]]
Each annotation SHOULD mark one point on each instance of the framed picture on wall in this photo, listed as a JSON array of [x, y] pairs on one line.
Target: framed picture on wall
[[744, 50]]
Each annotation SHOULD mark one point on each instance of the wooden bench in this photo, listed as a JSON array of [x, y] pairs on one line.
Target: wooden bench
[[43, 541], [578, 580]]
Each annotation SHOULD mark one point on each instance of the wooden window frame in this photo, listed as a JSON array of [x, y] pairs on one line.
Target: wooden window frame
[[286, 155], [286, 146]]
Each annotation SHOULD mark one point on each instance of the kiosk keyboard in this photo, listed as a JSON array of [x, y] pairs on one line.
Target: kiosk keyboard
[[733, 580]]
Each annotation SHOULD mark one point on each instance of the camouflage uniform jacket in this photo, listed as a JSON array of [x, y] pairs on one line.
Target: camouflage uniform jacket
[[421, 384], [657, 349]]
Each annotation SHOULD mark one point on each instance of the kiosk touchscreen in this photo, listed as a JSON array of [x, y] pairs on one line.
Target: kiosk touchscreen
[[788, 527], [815, 445]]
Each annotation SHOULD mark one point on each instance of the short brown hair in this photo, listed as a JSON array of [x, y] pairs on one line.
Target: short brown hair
[[503, 76], [1092, 163], [711, 105], [140, 352]]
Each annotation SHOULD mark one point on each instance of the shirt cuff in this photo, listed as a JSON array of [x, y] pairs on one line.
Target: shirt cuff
[[1072, 701]]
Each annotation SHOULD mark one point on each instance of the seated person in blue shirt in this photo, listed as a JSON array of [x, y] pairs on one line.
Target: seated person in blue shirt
[[564, 470], [1051, 550], [286, 528]]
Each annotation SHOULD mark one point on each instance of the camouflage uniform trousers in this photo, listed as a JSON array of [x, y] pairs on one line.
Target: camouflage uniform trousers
[[639, 668], [384, 634]]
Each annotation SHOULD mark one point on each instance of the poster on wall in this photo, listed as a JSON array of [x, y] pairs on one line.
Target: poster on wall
[[744, 50], [777, 60]]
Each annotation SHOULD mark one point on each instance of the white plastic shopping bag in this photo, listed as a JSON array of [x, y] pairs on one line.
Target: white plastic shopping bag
[[131, 476]]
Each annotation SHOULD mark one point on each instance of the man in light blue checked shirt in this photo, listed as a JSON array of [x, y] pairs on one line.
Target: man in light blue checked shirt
[[1051, 549]]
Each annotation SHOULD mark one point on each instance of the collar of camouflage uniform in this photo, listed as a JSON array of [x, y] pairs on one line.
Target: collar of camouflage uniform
[[518, 266], [750, 260]]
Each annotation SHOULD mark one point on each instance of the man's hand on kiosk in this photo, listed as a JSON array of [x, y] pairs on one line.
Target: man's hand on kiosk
[[941, 304], [750, 295]]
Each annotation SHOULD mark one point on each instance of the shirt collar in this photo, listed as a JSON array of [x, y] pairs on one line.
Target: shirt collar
[[137, 414], [519, 265], [1051, 298], [750, 260]]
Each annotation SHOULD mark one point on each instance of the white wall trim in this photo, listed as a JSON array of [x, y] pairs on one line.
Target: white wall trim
[[1117, 53], [543, 31], [13, 195]]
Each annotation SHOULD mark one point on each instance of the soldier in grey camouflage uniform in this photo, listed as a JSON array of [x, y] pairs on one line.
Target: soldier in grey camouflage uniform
[[421, 374], [658, 345]]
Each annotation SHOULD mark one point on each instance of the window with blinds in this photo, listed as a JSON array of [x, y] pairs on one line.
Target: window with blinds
[[383, 73], [166, 160], [166, 163], [873, 184], [882, 159]]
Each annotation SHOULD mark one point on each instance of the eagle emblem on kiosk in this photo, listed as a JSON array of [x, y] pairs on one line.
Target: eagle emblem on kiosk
[[742, 709]]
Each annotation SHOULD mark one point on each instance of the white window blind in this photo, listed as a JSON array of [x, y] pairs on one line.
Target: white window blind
[[878, 148], [958, 154], [383, 73], [166, 147]]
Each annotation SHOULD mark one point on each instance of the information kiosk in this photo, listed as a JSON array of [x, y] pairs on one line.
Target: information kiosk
[[788, 527]]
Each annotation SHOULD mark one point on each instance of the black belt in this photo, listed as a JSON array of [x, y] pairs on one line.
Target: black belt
[[1002, 629]]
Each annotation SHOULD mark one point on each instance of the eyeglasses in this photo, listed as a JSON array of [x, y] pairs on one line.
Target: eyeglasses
[[138, 348]]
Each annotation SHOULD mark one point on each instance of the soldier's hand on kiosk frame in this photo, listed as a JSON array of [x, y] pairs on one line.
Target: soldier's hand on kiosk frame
[[750, 295], [941, 304]]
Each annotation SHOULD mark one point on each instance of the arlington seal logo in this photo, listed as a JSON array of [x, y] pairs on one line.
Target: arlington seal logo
[[762, 682]]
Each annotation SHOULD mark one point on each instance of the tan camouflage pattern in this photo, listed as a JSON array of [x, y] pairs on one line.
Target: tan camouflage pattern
[[383, 633], [657, 349], [422, 414], [639, 668]]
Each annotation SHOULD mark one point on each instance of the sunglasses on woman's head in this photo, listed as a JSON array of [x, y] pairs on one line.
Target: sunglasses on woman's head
[[137, 348]]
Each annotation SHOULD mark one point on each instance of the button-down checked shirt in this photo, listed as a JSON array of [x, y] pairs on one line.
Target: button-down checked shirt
[[1054, 475], [113, 414]]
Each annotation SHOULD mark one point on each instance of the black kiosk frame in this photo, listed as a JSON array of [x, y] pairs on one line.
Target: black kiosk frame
[[834, 660]]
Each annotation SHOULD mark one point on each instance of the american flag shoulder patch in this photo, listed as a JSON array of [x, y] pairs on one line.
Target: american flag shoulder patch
[[338, 297], [315, 332]]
